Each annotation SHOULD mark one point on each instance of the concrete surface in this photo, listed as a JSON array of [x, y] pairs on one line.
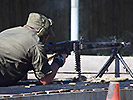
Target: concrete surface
[[88, 95]]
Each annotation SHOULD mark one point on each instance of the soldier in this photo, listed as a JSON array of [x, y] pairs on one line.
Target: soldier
[[22, 49]]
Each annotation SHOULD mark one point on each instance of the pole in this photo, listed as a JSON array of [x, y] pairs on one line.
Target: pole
[[74, 20]]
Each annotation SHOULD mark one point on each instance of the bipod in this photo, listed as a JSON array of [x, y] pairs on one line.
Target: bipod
[[117, 57]]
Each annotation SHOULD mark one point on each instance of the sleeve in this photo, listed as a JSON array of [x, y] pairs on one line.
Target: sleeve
[[40, 61]]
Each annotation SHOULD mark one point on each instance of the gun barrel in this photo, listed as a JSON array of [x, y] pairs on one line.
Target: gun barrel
[[126, 44], [68, 46], [103, 45]]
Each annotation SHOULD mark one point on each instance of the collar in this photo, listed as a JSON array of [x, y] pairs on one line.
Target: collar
[[26, 26]]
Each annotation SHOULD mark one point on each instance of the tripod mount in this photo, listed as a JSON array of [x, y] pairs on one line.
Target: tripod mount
[[117, 57]]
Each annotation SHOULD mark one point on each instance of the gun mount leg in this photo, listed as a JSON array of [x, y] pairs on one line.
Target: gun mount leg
[[125, 65], [105, 67], [115, 55], [117, 67]]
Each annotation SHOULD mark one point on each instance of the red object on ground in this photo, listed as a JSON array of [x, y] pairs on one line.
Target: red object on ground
[[113, 91]]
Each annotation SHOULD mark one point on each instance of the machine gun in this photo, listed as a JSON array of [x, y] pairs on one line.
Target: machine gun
[[78, 46]]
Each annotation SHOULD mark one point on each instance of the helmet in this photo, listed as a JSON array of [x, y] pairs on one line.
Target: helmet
[[41, 23]]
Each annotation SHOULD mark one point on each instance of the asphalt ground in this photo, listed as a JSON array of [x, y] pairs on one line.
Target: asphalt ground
[[31, 86]]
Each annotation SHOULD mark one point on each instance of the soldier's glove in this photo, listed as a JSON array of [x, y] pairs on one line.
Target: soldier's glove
[[59, 60]]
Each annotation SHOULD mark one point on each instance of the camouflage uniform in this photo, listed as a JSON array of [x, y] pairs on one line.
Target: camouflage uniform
[[21, 51]]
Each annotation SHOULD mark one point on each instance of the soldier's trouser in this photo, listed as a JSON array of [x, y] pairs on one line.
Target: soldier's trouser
[[5, 82]]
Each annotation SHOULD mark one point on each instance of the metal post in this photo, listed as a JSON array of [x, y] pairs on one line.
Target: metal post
[[74, 19]]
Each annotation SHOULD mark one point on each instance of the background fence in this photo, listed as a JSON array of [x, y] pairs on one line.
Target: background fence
[[99, 20]]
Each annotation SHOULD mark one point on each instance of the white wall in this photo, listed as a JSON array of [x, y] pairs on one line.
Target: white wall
[[91, 64]]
